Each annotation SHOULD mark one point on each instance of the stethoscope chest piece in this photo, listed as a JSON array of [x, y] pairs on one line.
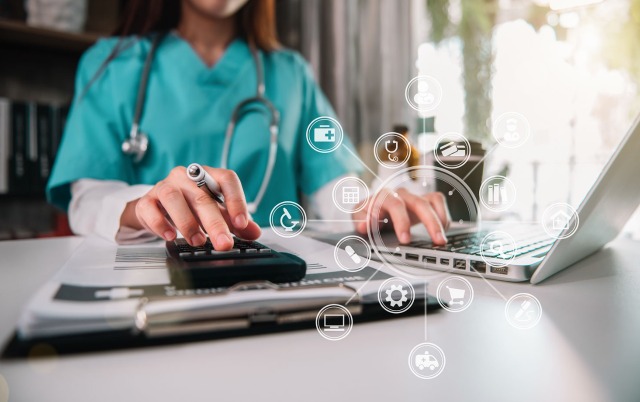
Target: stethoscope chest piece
[[136, 145]]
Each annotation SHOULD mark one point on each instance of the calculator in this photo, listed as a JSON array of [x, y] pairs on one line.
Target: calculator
[[203, 266]]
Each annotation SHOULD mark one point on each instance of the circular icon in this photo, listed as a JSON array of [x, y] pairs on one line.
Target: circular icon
[[386, 247], [498, 249], [352, 253], [324, 134], [392, 150], [349, 194], [523, 311], [455, 294], [497, 193], [452, 150], [427, 360], [396, 295], [334, 322], [288, 219], [511, 129], [560, 220], [423, 93]]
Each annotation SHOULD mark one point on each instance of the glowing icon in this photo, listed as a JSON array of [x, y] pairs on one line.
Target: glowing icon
[[287, 219], [511, 129], [350, 195], [453, 149], [426, 360], [455, 294], [396, 295], [393, 158], [497, 194], [287, 216], [498, 249], [511, 134], [560, 220], [352, 253], [334, 322], [424, 98], [423, 93], [324, 133], [523, 311]]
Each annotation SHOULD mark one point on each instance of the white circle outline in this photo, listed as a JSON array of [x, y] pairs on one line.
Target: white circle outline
[[412, 357], [357, 238], [484, 185], [412, 292], [337, 144], [363, 204], [574, 215], [432, 81], [444, 305], [422, 171], [339, 307], [396, 164], [501, 234], [530, 296], [295, 205], [450, 134], [503, 142]]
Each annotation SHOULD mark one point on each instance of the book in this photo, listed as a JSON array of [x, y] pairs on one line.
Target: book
[[5, 144], [17, 159]]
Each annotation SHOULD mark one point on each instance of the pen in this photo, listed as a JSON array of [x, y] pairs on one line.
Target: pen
[[207, 183]]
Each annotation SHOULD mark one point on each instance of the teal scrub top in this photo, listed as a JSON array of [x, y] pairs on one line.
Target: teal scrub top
[[187, 109]]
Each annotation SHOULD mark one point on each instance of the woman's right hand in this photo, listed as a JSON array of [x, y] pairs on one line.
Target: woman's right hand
[[177, 203]]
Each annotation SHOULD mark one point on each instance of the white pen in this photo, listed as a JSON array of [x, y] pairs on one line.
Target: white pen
[[207, 183]]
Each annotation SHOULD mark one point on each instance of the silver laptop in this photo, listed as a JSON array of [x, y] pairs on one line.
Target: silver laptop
[[603, 213]]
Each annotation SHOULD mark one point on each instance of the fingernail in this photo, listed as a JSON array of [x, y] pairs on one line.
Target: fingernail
[[241, 221], [198, 239], [442, 237], [405, 237], [224, 238], [169, 235]]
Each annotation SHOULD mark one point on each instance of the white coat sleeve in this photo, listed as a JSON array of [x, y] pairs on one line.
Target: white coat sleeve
[[97, 205]]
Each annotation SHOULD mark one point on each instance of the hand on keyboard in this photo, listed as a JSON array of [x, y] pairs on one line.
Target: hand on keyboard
[[407, 209]]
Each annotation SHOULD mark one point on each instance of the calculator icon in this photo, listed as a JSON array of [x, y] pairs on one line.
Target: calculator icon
[[350, 195]]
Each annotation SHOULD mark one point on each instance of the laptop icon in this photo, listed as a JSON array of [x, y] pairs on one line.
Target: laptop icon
[[334, 322]]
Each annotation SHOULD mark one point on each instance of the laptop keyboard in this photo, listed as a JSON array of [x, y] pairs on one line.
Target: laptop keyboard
[[469, 243]]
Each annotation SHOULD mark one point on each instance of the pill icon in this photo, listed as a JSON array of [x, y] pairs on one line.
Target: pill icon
[[352, 253]]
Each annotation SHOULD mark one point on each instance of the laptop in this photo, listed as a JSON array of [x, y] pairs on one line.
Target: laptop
[[602, 214]]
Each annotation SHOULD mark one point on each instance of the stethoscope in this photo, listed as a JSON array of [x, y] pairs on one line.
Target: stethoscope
[[138, 142]]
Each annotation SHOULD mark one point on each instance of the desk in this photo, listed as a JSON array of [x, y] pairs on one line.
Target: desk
[[585, 348]]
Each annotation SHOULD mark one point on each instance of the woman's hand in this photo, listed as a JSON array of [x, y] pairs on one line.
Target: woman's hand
[[177, 203], [407, 209]]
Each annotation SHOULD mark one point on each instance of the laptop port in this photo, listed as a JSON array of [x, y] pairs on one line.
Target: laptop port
[[412, 257], [428, 259], [459, 264], [479, 266], [444, 261], [500, 270]]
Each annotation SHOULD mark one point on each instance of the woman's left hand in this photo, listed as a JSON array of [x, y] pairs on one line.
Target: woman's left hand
[[407, 209]]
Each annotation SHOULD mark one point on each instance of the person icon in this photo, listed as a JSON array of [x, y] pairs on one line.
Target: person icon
[[423, 98]]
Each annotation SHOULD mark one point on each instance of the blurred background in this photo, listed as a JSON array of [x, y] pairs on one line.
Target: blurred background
[[571, 67]]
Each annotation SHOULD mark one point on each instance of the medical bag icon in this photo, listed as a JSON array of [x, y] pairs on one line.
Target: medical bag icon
[[324, 133]]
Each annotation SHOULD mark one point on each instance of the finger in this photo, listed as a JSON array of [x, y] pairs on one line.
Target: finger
[[439, 204], [173, 201], [152, 218], [211, 219], [234, 199], [427, 215], [397, 210]]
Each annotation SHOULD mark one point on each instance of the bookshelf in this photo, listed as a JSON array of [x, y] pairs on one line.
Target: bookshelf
[[39, 67]]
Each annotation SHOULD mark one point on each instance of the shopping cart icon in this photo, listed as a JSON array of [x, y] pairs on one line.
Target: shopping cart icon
[[456, 294]]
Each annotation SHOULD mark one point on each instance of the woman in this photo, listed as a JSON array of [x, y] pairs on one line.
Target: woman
[[201, 69]]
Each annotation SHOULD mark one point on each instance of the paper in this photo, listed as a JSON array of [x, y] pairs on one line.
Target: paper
[[100, 286]]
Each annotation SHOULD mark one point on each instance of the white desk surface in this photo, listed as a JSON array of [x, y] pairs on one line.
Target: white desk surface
[[585, 348]]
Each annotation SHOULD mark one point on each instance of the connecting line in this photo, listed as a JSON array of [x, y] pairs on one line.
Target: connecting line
[[357, 292], [425, 310], [480, 161], [492, 287], [343, 220], [363, 164]]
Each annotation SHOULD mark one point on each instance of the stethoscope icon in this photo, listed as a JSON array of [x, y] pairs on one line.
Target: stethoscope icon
[[389, 152]]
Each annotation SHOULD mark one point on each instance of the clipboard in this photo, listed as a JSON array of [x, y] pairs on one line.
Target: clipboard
[[161, 321]]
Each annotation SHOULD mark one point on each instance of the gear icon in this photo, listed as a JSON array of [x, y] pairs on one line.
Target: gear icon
[[402, 299]]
